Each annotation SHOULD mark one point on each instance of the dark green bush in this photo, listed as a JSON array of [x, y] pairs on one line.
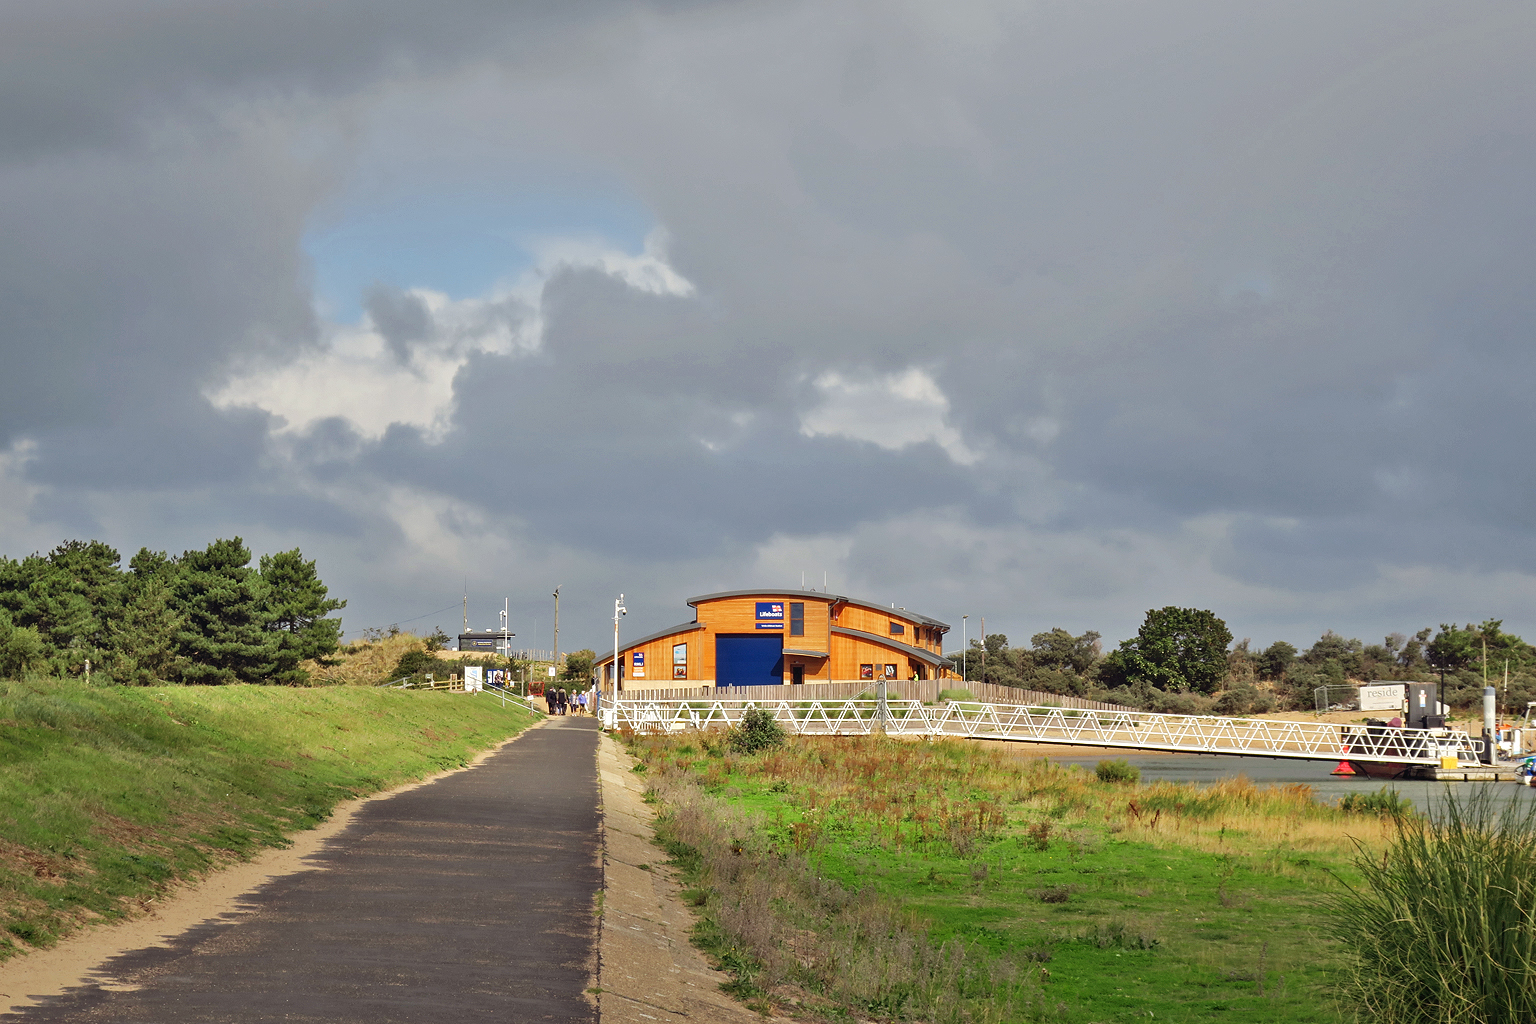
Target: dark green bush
[[759, 730], [1388, 803], [1117, 771]]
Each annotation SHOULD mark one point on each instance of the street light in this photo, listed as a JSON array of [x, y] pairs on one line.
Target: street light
[[506, 635], [963, 648], [619, 611]]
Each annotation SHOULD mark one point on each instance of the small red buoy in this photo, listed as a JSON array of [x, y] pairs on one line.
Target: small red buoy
[[1343, 769]]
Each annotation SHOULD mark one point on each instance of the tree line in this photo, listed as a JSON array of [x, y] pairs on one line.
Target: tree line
[[1184, 660], [205, 616]]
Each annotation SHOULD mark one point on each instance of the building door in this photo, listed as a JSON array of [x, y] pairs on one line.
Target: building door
[[749, 659], [797, 674]]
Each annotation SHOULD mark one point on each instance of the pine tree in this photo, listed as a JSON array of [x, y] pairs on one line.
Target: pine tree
[[20, 646], [224, 637], [296, 610], [143, 639]]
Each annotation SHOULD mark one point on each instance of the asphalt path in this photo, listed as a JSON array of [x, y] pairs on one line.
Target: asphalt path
[[471, 898]]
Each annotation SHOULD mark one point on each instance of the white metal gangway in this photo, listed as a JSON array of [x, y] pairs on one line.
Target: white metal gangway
[[1131, 730]]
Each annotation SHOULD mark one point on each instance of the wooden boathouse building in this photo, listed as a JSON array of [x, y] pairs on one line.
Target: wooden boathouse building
[[781, 637]]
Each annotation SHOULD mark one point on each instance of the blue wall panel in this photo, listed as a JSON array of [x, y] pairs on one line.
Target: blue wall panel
[[749, 659]]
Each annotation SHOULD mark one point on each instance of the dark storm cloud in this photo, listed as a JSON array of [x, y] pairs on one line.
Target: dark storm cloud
[[74, 73], [1229, 302], [128, 279]]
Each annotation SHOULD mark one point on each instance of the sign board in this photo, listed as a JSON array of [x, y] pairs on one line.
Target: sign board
[[550, 670], [770, 615], [639, 664], [1385, 697], [473, 678]]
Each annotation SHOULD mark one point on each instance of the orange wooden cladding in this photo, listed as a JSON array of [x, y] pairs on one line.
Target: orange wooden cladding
[[737, 613]]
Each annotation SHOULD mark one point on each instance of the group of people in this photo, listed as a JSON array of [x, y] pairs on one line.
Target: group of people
[[562, 703]]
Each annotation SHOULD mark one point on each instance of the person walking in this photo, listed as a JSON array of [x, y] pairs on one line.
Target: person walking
[[549, 699]]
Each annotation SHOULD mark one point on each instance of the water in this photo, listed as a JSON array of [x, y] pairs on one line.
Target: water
[[1208, 768]]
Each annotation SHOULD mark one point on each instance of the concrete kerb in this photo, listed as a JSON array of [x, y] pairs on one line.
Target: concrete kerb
[[647, 969]]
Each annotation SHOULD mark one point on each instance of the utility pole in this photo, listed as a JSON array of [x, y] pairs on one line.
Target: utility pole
[[983, 648], [466, 604], [557, 629]]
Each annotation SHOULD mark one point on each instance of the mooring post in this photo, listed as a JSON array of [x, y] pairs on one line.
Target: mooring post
[[882, 709]]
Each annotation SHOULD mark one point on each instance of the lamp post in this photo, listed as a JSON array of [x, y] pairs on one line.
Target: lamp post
[[963, 648], [506, 636], [619, 611]]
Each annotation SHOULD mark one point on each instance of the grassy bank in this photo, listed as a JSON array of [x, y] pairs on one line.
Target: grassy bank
[[110, 795], [1126, 902]]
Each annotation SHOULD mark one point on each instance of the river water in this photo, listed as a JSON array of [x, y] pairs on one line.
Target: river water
[[1208, 768]]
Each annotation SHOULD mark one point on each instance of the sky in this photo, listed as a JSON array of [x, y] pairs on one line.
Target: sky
[[1044, 312]]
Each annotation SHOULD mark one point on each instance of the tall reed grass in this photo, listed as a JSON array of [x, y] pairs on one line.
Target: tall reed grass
[[1442, 929]]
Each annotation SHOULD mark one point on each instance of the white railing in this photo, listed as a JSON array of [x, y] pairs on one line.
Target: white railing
[[507, 696], [1138, 730]]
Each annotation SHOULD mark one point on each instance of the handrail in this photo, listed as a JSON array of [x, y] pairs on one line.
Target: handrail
[[1139, 730]]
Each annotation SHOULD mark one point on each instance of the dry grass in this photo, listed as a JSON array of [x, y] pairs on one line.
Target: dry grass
[[914, 795], [364, 662]]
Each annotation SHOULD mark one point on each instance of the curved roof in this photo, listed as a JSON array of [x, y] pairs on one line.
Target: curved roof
[[890, 645], [821, 596], [687, 627]]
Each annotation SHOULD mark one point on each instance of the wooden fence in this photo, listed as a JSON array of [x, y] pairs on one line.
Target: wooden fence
[[922, 689]]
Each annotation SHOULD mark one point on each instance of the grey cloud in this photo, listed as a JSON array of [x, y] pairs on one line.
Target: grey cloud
[[614, 415], [1265, 264], [400, 318], [79, 74]]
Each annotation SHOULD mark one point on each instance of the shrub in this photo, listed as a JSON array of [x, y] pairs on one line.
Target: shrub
[[1440, 929], [954, 695], [1388, 803], [1117, 771], [759, 731]]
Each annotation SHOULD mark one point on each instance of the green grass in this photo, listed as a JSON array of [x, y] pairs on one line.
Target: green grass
[[1441, 928], [1137, 902], [110, 795]]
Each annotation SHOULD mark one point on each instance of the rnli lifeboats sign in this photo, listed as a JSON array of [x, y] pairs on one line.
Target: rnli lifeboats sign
[[1382, 698], [770, 615]]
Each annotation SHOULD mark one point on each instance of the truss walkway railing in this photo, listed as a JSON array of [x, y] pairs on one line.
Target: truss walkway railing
[[1135, 730]]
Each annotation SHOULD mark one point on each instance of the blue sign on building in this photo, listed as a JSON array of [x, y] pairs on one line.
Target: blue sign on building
[[770, 615]]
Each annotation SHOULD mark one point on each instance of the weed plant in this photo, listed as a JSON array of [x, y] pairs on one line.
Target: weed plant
[[1118, 900], [1441, 929], [111, 795]]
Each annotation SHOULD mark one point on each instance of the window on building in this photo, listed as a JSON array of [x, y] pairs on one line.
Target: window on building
[[797, 618], [890, 671], [897, 629], [866, 671], [679, 661]]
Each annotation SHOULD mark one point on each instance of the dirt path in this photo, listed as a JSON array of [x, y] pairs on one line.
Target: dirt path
[[649, 973]]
